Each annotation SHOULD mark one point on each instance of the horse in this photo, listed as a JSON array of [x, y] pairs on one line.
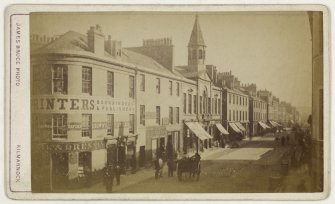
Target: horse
[[189, 165]]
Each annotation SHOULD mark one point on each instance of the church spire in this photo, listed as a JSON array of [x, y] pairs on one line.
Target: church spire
[[196, 48], [196, 35]]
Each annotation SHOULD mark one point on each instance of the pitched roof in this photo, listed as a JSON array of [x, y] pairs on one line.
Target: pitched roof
[[196, 35], [74, 41]]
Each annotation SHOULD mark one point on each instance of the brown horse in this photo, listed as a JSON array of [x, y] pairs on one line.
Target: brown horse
[[189, 165]]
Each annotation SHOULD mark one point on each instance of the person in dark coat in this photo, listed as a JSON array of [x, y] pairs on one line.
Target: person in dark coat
[[171, 167], [108, 177]]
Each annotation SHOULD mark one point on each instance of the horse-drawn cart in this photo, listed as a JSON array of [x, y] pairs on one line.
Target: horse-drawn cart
[[190, 165]]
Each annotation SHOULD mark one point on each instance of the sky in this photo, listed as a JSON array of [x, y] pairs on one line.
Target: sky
[[271, 49]]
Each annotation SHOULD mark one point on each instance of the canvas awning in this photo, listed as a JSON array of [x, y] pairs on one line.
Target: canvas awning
[[263, 125], [240, 126], [235, 128], [198, 130], [222, 129], [273, 123]]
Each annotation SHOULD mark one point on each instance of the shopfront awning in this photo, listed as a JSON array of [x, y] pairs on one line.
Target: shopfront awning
[[263, 125], [234, 127], [279, 125], [222, 129], [198, 130], [273, 123], [240, 126]]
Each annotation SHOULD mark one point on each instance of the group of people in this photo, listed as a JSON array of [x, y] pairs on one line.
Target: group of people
[[165, 155], [110, 172]]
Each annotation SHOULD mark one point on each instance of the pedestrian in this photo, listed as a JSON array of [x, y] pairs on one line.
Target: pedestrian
[[171, 167], [282, 139], [159, 168], [169, 150], [108, 178], [117, 170]]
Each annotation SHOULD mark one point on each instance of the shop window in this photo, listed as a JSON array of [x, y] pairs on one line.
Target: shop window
[[170, 87], [131, 87], [85, 160], [142, 84], [110, 124], [59, 79], [158, 115], [59, 126], [142, 114], [87, 80], [170, 115], [86, 130], [131, 123], [110, 83]]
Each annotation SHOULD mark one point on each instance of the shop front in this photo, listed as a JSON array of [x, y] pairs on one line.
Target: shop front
[[196, 138], [221, 138]]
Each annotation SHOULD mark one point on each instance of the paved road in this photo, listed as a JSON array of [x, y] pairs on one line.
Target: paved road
[[245, 169]]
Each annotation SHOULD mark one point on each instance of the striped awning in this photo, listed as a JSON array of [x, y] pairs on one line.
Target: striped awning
[[240, 126], [222, 129], [198, 130], [234, 127]]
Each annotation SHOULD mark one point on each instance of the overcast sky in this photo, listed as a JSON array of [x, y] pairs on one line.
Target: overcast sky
[[272, 50]]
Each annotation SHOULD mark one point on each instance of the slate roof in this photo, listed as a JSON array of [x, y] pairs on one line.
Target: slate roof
[[74, 41]]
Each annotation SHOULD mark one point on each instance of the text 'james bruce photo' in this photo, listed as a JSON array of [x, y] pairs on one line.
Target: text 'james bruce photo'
[[177, 102]]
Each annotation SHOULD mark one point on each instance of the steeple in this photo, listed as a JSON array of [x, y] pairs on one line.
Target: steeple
[[196, 35], [196, 48]]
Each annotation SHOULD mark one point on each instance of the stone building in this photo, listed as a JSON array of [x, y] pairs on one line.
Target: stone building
[[257, 111], [235, 106]]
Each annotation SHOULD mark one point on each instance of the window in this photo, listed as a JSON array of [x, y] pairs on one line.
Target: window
[[158, 115], [194, 54], [189, 103], [170, 87], [110, 83], [233, 99], [216, 106], [177, 114], [110, 124], [158, 85], [234, 115], [209, 105], [142, 85], [59, 79], [131, 87], [86, 125], [184, 102], [171, 115], [59, 126], [200, 105], [240, 100], [219, 102], [229, 96], [87, 80], [229, 115], [142, 114], [177, 88], [200, 54], [194, 104], [240, 115], [131, 123]]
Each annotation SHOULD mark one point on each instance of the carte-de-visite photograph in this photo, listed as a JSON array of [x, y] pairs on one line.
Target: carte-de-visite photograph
[[177, 102]]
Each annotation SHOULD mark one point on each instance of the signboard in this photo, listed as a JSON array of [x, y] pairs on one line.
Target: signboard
[[156, 131], [77, 125], [74, 146], [69, 104]]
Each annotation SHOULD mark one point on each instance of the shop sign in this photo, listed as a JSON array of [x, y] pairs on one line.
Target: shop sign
[[74, 146], [156, 131], [78, 126], [50, 104]]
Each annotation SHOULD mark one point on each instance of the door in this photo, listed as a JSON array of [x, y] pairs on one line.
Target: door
[[60, 168]]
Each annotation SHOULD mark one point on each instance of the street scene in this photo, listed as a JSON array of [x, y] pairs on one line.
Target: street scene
[[223, 105], [259, 165]]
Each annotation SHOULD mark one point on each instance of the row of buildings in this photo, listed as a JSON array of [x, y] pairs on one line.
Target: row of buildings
[[95, 102]]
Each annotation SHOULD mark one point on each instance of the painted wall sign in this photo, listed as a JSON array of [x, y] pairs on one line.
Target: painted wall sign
[[156, 131], [68, 104], [74, 146], [78, 126]]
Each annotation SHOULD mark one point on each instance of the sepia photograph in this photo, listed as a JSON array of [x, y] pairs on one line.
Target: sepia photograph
[[177, 102]]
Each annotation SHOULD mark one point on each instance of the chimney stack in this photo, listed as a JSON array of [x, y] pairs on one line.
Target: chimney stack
[[96, 40]]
